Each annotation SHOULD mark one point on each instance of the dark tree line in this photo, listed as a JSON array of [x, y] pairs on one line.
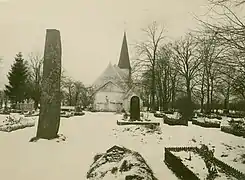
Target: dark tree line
[[25, 78]]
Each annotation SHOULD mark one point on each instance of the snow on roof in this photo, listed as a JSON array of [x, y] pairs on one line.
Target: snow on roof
[[112, 74], [99, 88]]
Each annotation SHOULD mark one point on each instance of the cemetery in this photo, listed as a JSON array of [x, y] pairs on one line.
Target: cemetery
[[163, 139], [173, 109], [176, 143]]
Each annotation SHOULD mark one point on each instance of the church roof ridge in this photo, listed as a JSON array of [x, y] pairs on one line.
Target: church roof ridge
[[105, 85]]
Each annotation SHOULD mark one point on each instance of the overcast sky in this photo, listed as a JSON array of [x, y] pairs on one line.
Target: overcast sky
[[91, 30]]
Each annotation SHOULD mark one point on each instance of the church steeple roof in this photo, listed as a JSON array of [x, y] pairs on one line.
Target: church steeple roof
[[124, 62]]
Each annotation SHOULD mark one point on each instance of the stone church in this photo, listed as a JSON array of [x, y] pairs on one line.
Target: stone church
[[113, 91]]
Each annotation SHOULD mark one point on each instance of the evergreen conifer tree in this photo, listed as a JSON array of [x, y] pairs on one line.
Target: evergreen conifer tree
[[16, 90]]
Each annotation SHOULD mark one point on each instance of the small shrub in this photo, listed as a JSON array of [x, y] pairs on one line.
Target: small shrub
[[186, 108]]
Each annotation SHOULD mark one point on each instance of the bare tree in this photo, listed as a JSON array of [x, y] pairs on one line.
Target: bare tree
[[186, 61], [87, 96], [235, 2], [224, 86], [79, 89], [68, 87], [210, 52], [36, 68], [148, 54], [166, 77], [230, 32]]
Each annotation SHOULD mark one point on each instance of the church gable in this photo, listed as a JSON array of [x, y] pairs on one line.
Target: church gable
[[110, 87], [108, 75], [112, 74]]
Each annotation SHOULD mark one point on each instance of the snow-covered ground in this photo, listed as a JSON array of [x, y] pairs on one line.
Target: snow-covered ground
[[95, 133]]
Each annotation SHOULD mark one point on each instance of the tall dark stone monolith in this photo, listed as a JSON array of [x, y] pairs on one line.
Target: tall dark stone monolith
[[49, 117], [135, 108]]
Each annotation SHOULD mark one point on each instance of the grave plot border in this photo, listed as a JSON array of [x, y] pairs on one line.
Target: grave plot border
[[206, 125], [228, 130], [158, 115], [181, 171], [172, 121], [79, 113], [137, 123]]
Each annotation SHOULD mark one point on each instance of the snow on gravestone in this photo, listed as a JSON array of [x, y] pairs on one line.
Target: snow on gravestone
[[49, 117], [120, 163]]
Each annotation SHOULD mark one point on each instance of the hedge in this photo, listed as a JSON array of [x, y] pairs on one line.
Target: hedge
[[172, 121], [206, 124], [230, 130]]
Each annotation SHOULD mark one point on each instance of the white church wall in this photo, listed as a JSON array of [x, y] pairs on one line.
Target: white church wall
[[108, 101]]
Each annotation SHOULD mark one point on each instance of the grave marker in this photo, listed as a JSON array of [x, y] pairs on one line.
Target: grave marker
[[135, 108]]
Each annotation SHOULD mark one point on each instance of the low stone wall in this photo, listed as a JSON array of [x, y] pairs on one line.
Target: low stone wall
[[175, 164], [206, 124]]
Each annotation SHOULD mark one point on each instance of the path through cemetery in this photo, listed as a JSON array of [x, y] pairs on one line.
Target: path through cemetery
[[95, 133]]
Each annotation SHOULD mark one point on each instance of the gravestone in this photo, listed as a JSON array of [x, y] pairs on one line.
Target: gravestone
[[49, 117], [135, 108]]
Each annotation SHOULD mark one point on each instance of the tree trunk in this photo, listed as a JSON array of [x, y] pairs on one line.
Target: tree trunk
[[49, 117], [208, 96], [173, 91], [5, 103], [165, 106], [202, 93], [160, 99], [160, 93], [227, 99], [148, 102], [153, 89], [1, 103], [189, 99], [188, 87], [70, 97], [211, 95], [36, 102]]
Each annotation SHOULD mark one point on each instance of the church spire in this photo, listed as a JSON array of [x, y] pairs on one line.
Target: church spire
[[124, 62]]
